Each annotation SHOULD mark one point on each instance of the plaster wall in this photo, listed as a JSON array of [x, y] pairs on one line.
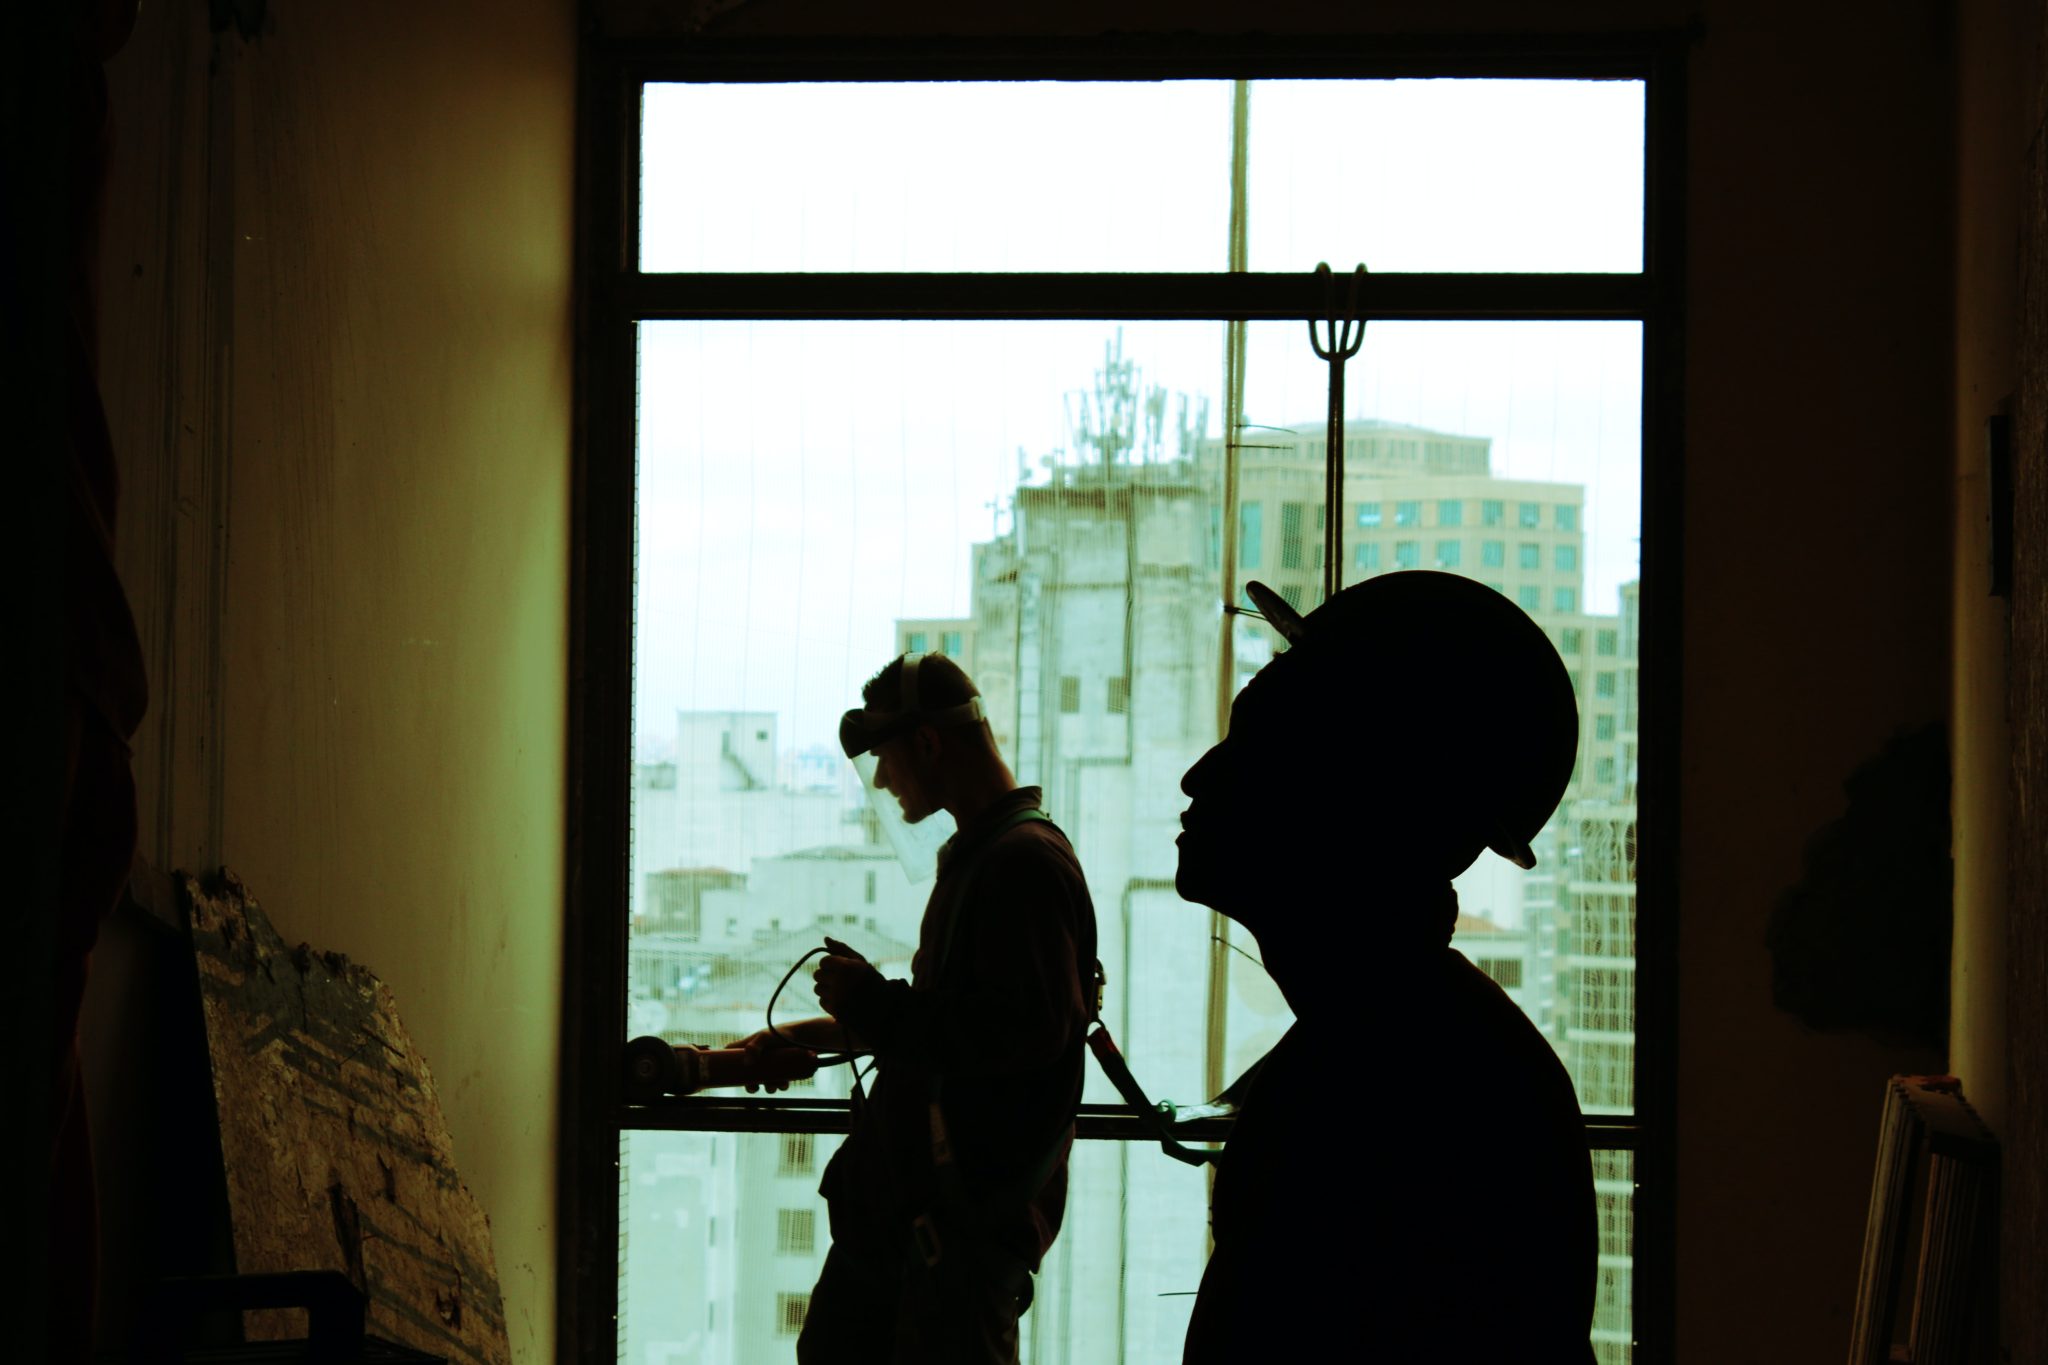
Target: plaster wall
[[338, 366]]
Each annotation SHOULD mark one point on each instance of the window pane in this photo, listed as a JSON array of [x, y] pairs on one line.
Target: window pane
[[1451, 175], [721, 1238], [1442, 414], [1613, 1307], [714, 1265], [936, 176], [811, 495]]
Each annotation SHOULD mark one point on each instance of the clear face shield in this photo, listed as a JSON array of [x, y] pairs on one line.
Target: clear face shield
[[861, 736], [916, 844]]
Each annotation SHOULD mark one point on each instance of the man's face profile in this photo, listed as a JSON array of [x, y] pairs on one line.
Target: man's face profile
[[897, 773], [1231, 802]]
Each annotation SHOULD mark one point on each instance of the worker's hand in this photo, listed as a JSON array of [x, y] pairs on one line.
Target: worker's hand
[[842, 975], [760, 1045]]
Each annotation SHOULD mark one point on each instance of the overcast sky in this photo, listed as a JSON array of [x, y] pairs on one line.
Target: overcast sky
[[805, 484]]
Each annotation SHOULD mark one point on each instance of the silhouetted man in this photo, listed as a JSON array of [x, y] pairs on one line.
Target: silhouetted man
[[951, 1187], [1408, 1174]]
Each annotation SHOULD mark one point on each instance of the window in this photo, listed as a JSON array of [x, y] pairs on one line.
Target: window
[[1571, 640], [1448, 553], [1407, 554], [1531, 598], [1606, 642], [1603, 685], [1567, 517], [1603, 771], [1493, 554], [1506, 971], [1291, 539], [796, 1232], [950, 323], [1529, 515], [1603, 726], [1565, 558], [1565, 600], [796, 1155], [914, 642], [1529, 556], [949, 644]]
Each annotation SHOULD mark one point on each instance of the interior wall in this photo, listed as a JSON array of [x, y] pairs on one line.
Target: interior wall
[[2025, 1132], [338, 365], [1990, 157]]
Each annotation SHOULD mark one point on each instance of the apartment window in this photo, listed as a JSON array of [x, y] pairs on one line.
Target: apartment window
[[1529, 515], [1500, 588], [796, 1232], [1506, 971], [1565, 558], [868, 894], [1448, 554], [1366, 555], [796, 1155], [949, 644], [1606, 642], [1567, 517], [1292, 540], [930, 316], [1529, 557], [1531, 598], [1603, 685], [1565, 600], [1603, 725], [790, 1311], [1603, 771], [1450, 512], [1493, 554], [914, 642], [1407, 554], [1571, 640], [1408, 514]]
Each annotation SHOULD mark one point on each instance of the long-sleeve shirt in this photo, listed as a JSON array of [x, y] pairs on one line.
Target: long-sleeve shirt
[[992, 1022]]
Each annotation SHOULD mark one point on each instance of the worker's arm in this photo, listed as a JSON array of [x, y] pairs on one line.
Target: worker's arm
[[823, 1034], [1015, 1002]]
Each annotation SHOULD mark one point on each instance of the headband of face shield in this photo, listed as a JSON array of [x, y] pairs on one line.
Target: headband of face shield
[[862, 733]]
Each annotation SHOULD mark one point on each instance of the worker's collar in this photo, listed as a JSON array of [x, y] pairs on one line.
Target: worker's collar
[[971, 834]]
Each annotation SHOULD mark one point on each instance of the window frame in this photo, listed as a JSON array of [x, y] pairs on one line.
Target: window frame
[[612, 297]]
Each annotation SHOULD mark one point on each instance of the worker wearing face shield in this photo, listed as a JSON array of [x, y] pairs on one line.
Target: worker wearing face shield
[[951, 1187], [1408, 1166]]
